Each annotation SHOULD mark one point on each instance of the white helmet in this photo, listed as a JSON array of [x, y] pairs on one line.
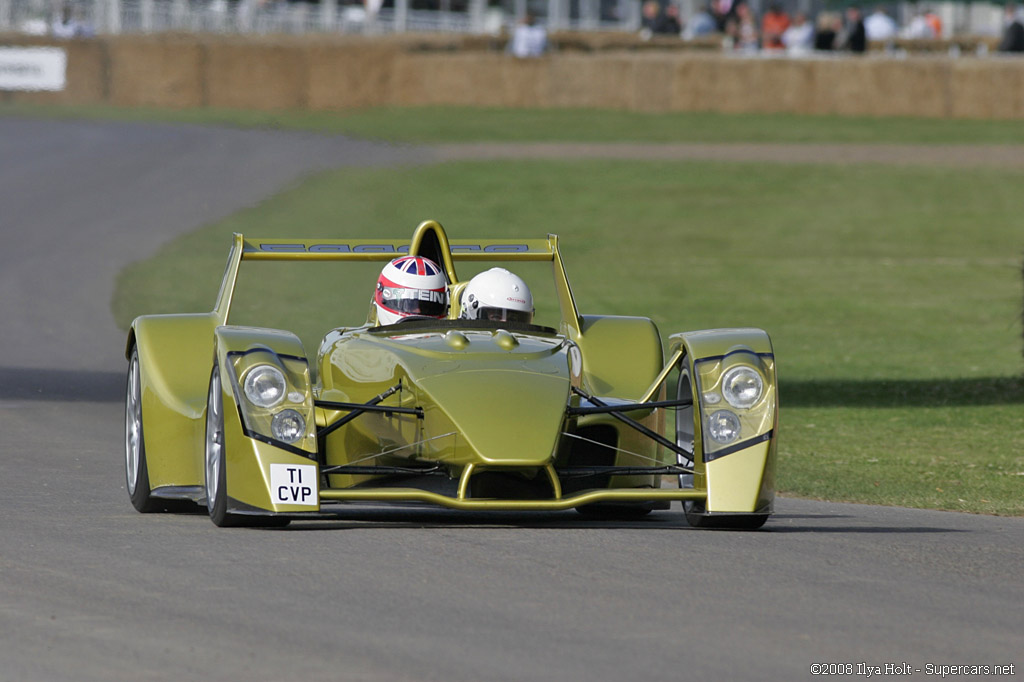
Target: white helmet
[[497, 294], [410, 286]]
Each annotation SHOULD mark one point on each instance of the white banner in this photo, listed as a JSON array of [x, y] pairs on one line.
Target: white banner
[[33, 68]]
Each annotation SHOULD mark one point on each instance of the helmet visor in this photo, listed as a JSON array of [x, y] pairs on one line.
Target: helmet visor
[[428, 302], [505, 315]]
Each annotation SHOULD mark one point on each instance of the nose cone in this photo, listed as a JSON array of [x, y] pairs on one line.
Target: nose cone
[[503, 417]]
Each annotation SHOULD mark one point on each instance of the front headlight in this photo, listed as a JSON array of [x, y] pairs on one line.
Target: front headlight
[[264, 386], [723, 427], [742, 386], [288, 426]]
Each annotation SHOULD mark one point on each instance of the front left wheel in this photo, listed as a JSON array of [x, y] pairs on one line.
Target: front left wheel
[[216, 478], [686, 435], [135, 468]]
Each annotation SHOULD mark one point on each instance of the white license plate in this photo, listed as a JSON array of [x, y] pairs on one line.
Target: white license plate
[[294, 484]]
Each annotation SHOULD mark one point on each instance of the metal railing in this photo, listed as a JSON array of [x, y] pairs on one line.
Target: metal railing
[[90, 17]]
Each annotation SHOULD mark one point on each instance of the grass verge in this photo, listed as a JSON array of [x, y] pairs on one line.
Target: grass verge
[[465, 124]]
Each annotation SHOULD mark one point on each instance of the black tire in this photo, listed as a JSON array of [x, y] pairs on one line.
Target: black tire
[[214, 461], [136, 469], [611, 512], [686, 431], [215, 478]]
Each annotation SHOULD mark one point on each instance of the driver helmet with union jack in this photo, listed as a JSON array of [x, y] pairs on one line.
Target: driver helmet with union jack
[[410, 286]]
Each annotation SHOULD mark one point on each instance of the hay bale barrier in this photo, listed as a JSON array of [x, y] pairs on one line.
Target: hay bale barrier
[[330, 73]]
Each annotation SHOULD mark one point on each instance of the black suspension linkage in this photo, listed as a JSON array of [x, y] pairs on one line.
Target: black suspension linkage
[[617, 410], [357, 409], [378, 470], [605, 409], [591, 471]]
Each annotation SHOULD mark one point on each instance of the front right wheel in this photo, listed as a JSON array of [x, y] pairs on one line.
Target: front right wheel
[[216, 469]]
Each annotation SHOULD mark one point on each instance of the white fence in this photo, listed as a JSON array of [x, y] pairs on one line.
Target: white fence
[[88, 17]]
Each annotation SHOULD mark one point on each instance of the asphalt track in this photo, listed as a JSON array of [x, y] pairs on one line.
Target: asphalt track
[[91, 590]]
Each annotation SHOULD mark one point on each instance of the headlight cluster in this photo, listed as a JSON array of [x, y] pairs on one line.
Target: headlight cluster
[[734, 392], [724, 426], [742, 386], [269, 407], [265, 386], [288, 425]]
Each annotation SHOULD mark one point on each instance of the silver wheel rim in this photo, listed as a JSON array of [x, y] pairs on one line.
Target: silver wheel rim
[[684, 426], [132, 425], [214, 440]]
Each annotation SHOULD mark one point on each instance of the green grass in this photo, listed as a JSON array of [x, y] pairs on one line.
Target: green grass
[[463, 124], [959, 457], [892, 294]]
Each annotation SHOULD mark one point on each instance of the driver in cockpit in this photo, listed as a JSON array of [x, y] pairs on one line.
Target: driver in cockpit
[[410, 287], [497, 295]]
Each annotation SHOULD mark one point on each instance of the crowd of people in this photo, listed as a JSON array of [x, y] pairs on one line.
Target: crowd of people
[[775, 29], [735, 21]]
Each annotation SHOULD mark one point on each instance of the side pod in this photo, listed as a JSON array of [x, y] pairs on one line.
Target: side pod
[[732, 427], [609, 371]]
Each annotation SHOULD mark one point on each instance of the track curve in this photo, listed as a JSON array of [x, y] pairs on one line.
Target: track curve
[[91, 590]]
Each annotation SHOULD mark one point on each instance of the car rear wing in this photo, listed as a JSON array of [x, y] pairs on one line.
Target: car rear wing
[[385, 250], [428, 240]]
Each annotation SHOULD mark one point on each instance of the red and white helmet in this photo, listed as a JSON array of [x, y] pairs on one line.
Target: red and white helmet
[[499, 295], [410, 286]]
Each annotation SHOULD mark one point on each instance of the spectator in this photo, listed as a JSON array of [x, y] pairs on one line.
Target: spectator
[[668, 21], [1013, 32], [67, 24], [648, 16], [744, 29], [854, 38], [827, 31], [918, 28], [701, 24], [528, 39], [934, 22], [773, 25], [799, 37], [658, 19], [879, 26], [724, 11]]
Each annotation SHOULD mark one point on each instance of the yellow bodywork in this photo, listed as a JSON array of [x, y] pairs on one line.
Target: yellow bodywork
[[175, 357], [742, 479]]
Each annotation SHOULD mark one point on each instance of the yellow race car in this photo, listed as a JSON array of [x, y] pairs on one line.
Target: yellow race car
[[469, 414]]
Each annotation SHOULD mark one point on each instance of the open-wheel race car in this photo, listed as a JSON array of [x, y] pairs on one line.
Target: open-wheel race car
[[469, 414]]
